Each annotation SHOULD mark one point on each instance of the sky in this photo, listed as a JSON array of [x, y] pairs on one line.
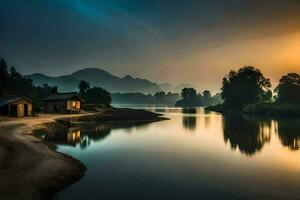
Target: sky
[[176, 41]]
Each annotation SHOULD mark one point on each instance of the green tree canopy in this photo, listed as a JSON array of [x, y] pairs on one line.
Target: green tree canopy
[[13, 83], [288, 89], [4, 76], [97, 96], [244, 86], [188, 94], [83, 86]]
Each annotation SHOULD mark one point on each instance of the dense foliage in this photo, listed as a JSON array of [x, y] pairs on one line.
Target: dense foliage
[[83, 86], [288, 90], [13, 83], [97, 96], [190, 98], [245, 86], [159, 98]]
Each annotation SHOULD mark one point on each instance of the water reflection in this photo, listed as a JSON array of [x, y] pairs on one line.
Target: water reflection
[[70, 137], [85, 135], [289, 133], [184, 165], [189, 118], [189, 122], [79, 136], [100, 132], [249, 134], [246, 134]]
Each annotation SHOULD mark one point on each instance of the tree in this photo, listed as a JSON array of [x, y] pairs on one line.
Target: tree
[[288, 89], [159, 95], [245, 86], [188, 94], [83, 86], [13, 83], [206, 97], [189, 98], [97, 96], [4, 77], [54, 89], [14, 75]]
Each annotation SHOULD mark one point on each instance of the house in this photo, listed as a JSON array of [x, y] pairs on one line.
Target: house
[[15, 106], [63, 103]]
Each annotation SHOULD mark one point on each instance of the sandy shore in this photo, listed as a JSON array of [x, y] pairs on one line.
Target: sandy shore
[[31, 169]]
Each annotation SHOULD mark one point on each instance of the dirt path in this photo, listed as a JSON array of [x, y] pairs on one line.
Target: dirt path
[[29, 169]]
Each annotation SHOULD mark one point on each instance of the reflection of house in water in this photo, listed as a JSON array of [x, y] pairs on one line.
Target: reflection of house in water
[[82, 136], [71, 137], [74, 136]]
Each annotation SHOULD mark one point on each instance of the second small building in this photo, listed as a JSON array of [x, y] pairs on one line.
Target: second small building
[[63, 103]]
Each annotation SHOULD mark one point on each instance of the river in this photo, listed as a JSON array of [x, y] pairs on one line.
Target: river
[[194, 155]]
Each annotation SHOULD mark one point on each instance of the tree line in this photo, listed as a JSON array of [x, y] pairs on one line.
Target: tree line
[[159, 98], [95, 95], [190, 98], [248, 90]]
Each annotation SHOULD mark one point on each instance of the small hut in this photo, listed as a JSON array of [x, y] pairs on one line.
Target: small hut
[[63, 103], [15, 106]]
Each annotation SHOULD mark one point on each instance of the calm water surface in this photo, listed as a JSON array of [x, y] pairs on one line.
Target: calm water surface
[[194, 155]]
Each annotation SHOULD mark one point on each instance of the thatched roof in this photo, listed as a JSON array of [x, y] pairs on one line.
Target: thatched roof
[[63, 96], [5, 100]]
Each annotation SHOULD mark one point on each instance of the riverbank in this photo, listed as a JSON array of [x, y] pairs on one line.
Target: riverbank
[[271, 109], [31, 169]]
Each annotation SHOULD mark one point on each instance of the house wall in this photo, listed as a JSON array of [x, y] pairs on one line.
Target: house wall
[[73, 105], [20, 105], [65, 106], [56, 106]]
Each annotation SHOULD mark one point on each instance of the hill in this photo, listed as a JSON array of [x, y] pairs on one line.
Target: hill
[[99, 78]]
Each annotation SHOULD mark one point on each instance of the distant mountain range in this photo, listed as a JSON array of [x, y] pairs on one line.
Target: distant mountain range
[[100, 78]]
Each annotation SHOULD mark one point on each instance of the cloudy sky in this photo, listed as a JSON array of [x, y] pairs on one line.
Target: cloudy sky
[[179, 41]]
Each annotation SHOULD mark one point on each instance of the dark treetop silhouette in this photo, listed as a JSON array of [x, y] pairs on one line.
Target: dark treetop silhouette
[[190, 98], [245, 86]]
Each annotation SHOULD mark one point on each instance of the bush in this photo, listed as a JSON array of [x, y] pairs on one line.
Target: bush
[[273, 109]]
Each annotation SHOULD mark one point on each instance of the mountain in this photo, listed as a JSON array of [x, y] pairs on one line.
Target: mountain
[[65, 83], [99, 78], [174, 88]]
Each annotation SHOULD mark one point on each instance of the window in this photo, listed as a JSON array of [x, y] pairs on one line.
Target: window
[[73, 103]]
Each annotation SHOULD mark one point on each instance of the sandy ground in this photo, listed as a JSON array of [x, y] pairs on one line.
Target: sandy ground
[[29, 169]]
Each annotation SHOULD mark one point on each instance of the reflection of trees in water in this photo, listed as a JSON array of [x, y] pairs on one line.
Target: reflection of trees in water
[[131, 127], [189, 110], [159, 110], [97, 134], [189, 122], [289, 133], [248, 135], [207, 121]]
